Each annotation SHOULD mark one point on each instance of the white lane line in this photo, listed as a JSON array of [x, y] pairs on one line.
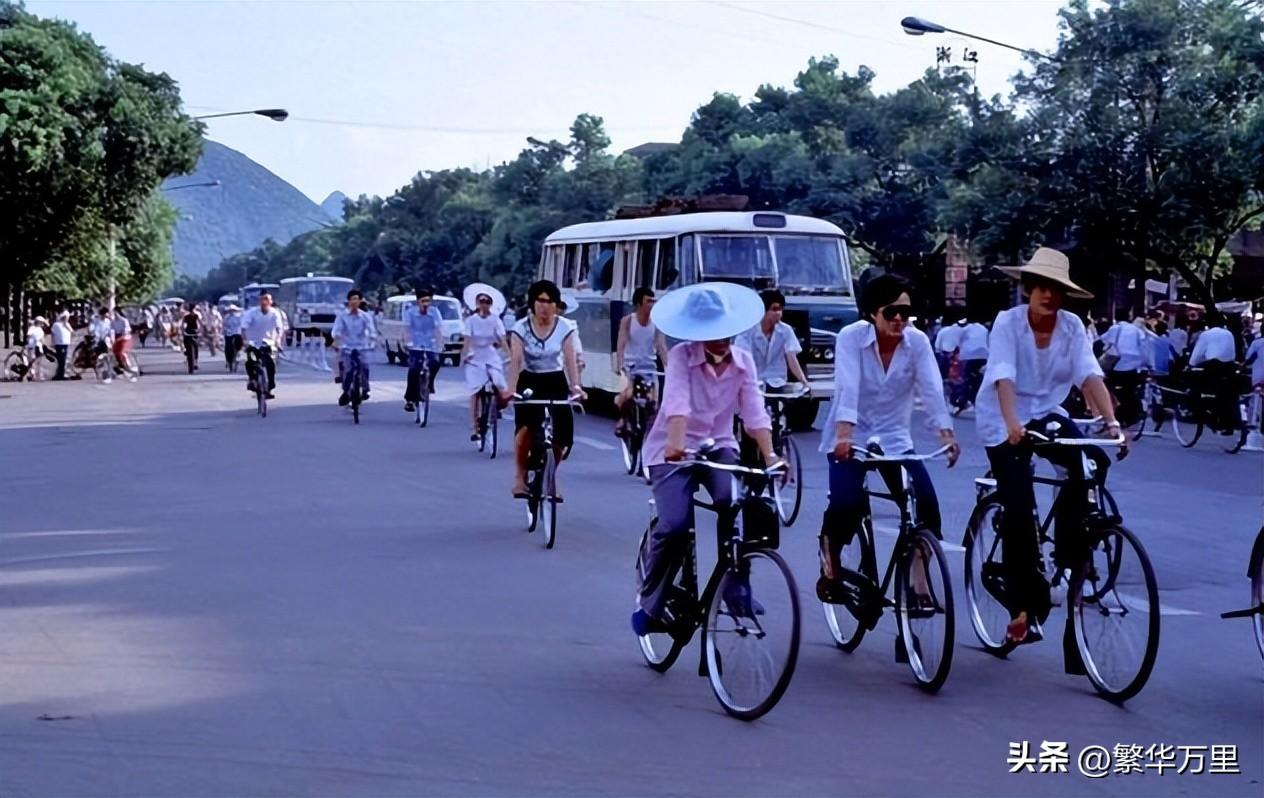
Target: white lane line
[[595, 444], [1140, 605], [77, 555]]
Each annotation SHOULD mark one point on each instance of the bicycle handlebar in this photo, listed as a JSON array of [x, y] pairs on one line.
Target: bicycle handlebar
[[899, 458], [800, 392], [1045, 440], [694, 460]]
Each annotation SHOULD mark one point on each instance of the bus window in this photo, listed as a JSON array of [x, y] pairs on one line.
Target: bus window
[[570, 268], [645, 264], [601, 273], [811, 262], [744, 258], [667, 273], [624, 269], [688, 263]]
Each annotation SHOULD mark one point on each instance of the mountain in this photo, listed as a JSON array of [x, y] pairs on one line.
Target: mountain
[[332, 206], [248, 206]]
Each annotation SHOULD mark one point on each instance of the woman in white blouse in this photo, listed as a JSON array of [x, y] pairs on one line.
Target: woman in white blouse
[[1037, 352], [881, 363]]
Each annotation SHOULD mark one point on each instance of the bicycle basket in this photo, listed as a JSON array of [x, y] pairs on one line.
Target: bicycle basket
[[760, 522]]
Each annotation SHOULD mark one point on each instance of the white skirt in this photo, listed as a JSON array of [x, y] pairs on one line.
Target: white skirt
[[476, 375]]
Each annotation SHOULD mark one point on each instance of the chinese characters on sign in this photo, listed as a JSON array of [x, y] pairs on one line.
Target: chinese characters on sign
[[1097, 761], [943, 57]]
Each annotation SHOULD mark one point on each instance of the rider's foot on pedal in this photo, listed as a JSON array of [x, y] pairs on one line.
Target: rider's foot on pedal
[[645, 624], [344, 400], [1023, 630], [520, 488], [829, 590], [409, 407], [250, 386], [620, 428], [364, 397]]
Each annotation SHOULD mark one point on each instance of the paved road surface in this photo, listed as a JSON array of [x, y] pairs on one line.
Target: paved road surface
[[196, 601]]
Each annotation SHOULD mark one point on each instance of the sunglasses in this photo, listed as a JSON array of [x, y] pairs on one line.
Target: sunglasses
[[891, 311], [549, 300]]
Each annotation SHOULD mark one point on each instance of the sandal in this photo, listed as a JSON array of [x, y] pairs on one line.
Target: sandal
[[1022, 630], [520, 488]]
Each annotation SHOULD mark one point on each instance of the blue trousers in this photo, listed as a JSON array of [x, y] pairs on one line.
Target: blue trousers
[[848, 502]]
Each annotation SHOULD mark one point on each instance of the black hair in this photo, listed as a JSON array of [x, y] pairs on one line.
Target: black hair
[[543, 287], [881, 291], [1215, 318], [1030, 281], [262, 294], [772, 297], [424, 292], [1160, 327], [1123, 314], [354, 292], [639, 296], [104, 311]]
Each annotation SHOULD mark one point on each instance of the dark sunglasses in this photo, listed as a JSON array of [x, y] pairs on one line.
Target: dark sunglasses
[[891, 311], [550, 300]]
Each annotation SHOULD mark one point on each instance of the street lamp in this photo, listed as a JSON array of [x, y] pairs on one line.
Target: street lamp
[[210, 184], [275, 114], [916, 26]]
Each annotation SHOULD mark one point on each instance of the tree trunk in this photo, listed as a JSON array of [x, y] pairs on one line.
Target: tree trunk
[[1201, 288]]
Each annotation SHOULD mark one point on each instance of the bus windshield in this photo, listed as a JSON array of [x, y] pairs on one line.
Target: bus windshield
[[810, 263], [449, 309], [326, 292], [744, 259]]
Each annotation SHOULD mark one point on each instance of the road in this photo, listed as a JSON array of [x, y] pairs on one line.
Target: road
[[197, 601]]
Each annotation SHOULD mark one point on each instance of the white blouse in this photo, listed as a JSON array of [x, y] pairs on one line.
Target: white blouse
[[880, 401], [1042, 378]]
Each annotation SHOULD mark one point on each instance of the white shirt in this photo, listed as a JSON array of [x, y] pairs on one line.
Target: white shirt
[[573, 326], [62, 333], [1214, 343], [34, 336], [769, 351], [483, 333], [1129, 343], [258, 328], [1256, 350], [1042, 378], [880, 401], [949, 338], [974, 342], [100, 329]]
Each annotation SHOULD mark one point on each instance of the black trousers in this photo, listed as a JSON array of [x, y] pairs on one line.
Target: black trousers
[[417, 359], [232, 345], [1127, 388], [61, 350], [269, 366]]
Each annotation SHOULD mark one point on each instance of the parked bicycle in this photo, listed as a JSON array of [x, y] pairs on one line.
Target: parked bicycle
[[488, 416], [638, 418], [1255, 572], [1112, 595], [749, 610], [19, 365], [925, 621], [542, 498]]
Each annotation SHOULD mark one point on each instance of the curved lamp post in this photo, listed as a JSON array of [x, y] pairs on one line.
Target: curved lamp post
[[275, 114], [916, 26]]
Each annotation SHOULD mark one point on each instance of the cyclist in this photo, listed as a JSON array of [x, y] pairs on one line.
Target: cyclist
[[425, 330], [773, 344], [232, 334], [121, 333], [1255, 359], [1215, 352], [484, 335], [1125, 353], [947, 341], [100, 332], [638, 343], [353, 330], [1038, 352], [191, 325], [262, 331], [882, 363], [708, 382], [542, 358], [972, 354]]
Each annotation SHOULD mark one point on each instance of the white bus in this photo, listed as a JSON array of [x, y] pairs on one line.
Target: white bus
[[249, 294], [602, 263], [225, 301], [393, 337], [312, 303]]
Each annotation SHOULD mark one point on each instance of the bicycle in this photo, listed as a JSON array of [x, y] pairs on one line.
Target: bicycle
[[1255, 572], [19, 365], [258, 376], [923, 588], [488, 416], [107, 365], [788, 490], [84, 356], [748, 660], [353, 384], [638, 419], [1193, 409], [542, 497], [1103, 586], [423, 404]]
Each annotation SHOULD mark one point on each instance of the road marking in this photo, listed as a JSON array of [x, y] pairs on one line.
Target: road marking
[[77, 555], [595, 444], [1140, 605]]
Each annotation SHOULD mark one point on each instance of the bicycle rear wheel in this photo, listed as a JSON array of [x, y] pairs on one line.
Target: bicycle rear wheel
[[548, 501], [984, 566], [630, 443], [1187, 423], [751, 637], [844, 627], [1257, 596], [423, 407], [923, 610], [104, 368], [14, 367], [788, 490], [1114, 613], [661, 649]]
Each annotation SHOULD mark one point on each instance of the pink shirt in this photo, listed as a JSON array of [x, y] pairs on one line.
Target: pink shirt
[[709, 402]]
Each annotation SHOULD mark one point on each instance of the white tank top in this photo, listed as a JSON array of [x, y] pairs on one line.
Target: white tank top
[[639, 353]]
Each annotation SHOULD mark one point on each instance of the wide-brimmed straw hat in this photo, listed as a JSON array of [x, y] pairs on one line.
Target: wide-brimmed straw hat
[[1049, 264], [471, 292], [233, 308], [707, 311]]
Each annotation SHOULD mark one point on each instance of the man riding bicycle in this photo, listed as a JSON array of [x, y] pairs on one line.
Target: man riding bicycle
[[881, 364], [353, 331], [263, 332], [425, 331], [1215, 352], [773, 344], [708, 382], [638, 343], [1038, 352], [232, 334]]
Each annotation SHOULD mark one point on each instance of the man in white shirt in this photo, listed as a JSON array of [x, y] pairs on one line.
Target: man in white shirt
[[773, 344], [1125, 344], [100, 330], [62, 333], [972, 354], [354, 331], [946, 342], [1215, 353], [261, 332]]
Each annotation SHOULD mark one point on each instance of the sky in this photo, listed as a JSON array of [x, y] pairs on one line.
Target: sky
[[378, 91]]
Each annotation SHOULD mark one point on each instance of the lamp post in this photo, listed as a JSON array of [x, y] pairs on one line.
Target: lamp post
[[916, 26], [208, 184], [275, 114]]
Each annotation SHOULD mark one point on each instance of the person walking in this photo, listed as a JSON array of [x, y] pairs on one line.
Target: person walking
[[62, 333]]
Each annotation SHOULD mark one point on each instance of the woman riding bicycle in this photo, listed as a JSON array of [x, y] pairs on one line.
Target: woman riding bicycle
[[708, 382], [484, 335], [1038, 352], [881, 363], [543, 361]]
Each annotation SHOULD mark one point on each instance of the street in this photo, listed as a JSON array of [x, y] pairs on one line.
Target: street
[[198, 601]]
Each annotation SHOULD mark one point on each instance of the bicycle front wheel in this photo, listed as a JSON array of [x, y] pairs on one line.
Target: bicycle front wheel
[[631, 444], [1187, 424], [1257, 595], [923, 610], [844, 626], [788, 489], [104, 368], [423, 409], [984, 587], [1115, 613], [493, 418], [548, 501], [751, 638], [14, 367]]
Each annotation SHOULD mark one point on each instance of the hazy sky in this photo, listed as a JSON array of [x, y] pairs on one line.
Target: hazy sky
[[381, 90]]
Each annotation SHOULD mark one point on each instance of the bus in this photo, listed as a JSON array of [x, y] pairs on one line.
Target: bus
[[312, 303], [393, 338], [226, 301], [249, 294], [602, 263]]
